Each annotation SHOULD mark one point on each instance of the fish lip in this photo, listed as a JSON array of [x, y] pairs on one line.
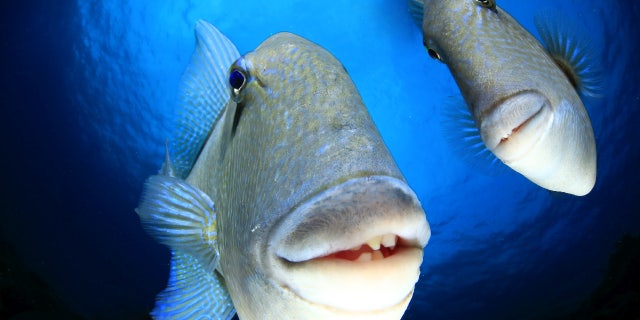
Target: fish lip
[[321, 225], [516, 124], [412, 236]]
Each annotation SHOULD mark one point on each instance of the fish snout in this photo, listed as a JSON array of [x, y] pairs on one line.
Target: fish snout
[[355, 247], [513, 127], [553, 146]]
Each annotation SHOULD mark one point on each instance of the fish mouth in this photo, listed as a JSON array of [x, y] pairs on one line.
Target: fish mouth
[[516, 125], [355, 247]]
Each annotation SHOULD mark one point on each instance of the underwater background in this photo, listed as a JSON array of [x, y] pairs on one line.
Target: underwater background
[[88, 96]]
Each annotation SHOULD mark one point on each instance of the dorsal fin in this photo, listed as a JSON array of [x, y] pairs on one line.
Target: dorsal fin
[[167, 166], [203, 93]]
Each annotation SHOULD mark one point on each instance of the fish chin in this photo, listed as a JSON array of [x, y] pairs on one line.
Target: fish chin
[[353, 248], [516, 125]]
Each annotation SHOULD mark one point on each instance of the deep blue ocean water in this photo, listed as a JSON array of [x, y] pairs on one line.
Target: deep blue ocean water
[[88, 96]]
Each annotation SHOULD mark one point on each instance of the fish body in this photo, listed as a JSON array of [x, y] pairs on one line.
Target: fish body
[[300, 210], [522, 97]]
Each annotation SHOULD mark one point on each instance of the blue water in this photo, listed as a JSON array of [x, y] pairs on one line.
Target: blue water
[[88, 93]]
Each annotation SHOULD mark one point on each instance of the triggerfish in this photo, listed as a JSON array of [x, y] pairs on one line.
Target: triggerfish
[[280, 199], [524, 97]]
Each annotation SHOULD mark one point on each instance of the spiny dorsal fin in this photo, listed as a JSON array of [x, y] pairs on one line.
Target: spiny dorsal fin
[[203, 93], [181, 217], [193, 292], [167, 166]]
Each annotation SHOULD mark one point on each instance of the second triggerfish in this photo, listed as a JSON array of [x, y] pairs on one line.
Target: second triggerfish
[[284, 202], [523, 96]]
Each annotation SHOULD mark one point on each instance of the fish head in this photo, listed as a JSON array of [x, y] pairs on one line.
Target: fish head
[[527, 111], [315, 220]]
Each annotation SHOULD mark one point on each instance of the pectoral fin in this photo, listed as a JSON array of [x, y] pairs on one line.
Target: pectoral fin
[[462, 136], [181, 217], [572, 50]]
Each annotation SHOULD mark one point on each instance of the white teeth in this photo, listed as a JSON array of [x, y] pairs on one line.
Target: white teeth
[[365, 257], [389, 241], [370, 256], [374, 243]]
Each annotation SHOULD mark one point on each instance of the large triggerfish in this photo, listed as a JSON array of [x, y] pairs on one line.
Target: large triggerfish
[[523, 97], [282, 201]]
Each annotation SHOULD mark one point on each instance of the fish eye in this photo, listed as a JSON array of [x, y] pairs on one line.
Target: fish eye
[[433, 54], [237, 80], [491, 4]]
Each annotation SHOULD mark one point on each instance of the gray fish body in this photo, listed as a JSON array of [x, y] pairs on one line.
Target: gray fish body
[[303, 129], [525, 107], [313, 219]]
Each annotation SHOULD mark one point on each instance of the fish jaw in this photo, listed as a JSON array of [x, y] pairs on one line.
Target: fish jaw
[[515, 125], [355, 248], [553, 146]]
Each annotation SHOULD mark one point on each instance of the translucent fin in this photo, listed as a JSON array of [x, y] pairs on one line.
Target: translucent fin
[[204, 91], [462, 136], [180, 216], [192, 292], [572, 50], [416, 9]]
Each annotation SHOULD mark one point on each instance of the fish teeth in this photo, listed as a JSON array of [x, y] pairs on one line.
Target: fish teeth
[[389, 240], [365, 257], [374, 242]]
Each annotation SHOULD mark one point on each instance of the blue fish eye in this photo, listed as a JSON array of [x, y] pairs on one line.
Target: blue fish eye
[[237, 79]]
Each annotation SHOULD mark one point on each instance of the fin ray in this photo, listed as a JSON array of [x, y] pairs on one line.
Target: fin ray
[[462, 136], [192, 292], [572, 50], [181, 217], [416, 9], [203, 93]]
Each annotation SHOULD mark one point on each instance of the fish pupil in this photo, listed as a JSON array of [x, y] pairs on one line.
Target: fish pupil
[[433, 54], [236, 79]]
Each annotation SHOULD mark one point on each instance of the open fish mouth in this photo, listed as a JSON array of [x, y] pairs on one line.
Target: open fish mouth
[[516, 124], [355, 247]]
